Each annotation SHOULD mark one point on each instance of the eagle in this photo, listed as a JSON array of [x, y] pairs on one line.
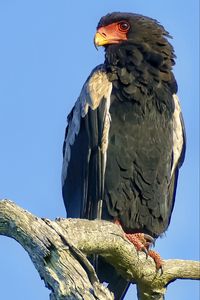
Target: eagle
[[125, 138]]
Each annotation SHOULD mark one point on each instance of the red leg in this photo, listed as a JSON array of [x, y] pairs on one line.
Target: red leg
[[142, 242], [138, 240]]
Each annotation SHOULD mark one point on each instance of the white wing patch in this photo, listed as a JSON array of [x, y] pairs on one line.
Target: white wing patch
[[96, 88], [178, 134]]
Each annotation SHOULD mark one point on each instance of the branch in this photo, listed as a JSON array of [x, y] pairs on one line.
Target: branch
[[63, 268], [58, 250]]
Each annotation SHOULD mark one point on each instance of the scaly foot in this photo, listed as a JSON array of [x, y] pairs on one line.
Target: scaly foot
[[142, 242]]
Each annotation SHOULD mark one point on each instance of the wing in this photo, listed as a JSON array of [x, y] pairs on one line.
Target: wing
[[178, 153], [179, 136], [85, 147]]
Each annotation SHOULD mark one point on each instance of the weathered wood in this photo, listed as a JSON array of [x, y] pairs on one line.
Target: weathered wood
[[58, 250], [59, 264]]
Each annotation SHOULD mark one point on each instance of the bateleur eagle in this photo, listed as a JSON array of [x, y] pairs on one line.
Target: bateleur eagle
[[125, 140]]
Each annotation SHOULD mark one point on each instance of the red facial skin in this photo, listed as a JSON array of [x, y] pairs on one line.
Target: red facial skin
[[112, 34]]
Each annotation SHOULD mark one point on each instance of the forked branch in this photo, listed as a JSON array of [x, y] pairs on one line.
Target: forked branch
[[58, 250]]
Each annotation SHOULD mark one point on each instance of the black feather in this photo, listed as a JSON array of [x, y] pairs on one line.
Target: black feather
[[137, 187]]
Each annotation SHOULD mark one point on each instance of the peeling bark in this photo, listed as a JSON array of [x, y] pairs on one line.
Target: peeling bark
[[58, 250]]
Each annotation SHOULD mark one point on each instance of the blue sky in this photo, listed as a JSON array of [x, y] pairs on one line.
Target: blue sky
[[46, 54]]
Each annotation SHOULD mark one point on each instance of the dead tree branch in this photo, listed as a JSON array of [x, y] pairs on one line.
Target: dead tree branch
[[58, 250]]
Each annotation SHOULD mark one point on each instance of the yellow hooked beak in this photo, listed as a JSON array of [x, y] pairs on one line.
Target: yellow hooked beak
[[100, 40]]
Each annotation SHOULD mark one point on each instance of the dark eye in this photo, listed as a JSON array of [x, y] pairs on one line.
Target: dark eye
[[123, 26]]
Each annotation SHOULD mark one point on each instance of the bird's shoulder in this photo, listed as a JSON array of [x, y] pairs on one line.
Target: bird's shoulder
[[94, 94], [96, 87]]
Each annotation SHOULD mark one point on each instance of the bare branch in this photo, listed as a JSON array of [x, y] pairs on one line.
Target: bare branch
[[63, 268], [58, 248]]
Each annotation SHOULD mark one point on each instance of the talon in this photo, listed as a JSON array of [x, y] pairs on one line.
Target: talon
[[149, 238], [160, 269], [142, 242], [145, 251], [157, 259]]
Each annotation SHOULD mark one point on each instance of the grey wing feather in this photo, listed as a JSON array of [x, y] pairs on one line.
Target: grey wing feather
[[179, 136], [178, 153], [88, 128]]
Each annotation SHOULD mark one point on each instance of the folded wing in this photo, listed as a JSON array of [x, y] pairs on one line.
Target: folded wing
[[85, 147]]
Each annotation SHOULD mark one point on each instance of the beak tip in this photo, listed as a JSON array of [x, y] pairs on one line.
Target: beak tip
[[99, 40], [95, 44]]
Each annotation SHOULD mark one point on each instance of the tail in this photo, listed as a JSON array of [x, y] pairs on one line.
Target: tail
[[116, 283], [119, 287], [105, 272]]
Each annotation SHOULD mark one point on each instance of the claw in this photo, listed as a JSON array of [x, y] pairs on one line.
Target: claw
[[160, 269], [149, 239], [142, 242], [145, 251], [157, 259]]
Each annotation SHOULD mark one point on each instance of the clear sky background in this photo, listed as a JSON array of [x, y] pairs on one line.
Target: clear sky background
[[46, 54]]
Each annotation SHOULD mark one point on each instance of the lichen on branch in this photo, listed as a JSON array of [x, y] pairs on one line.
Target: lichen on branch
[[58, 250]]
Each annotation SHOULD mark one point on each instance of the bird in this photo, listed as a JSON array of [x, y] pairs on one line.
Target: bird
[[125, 137]]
